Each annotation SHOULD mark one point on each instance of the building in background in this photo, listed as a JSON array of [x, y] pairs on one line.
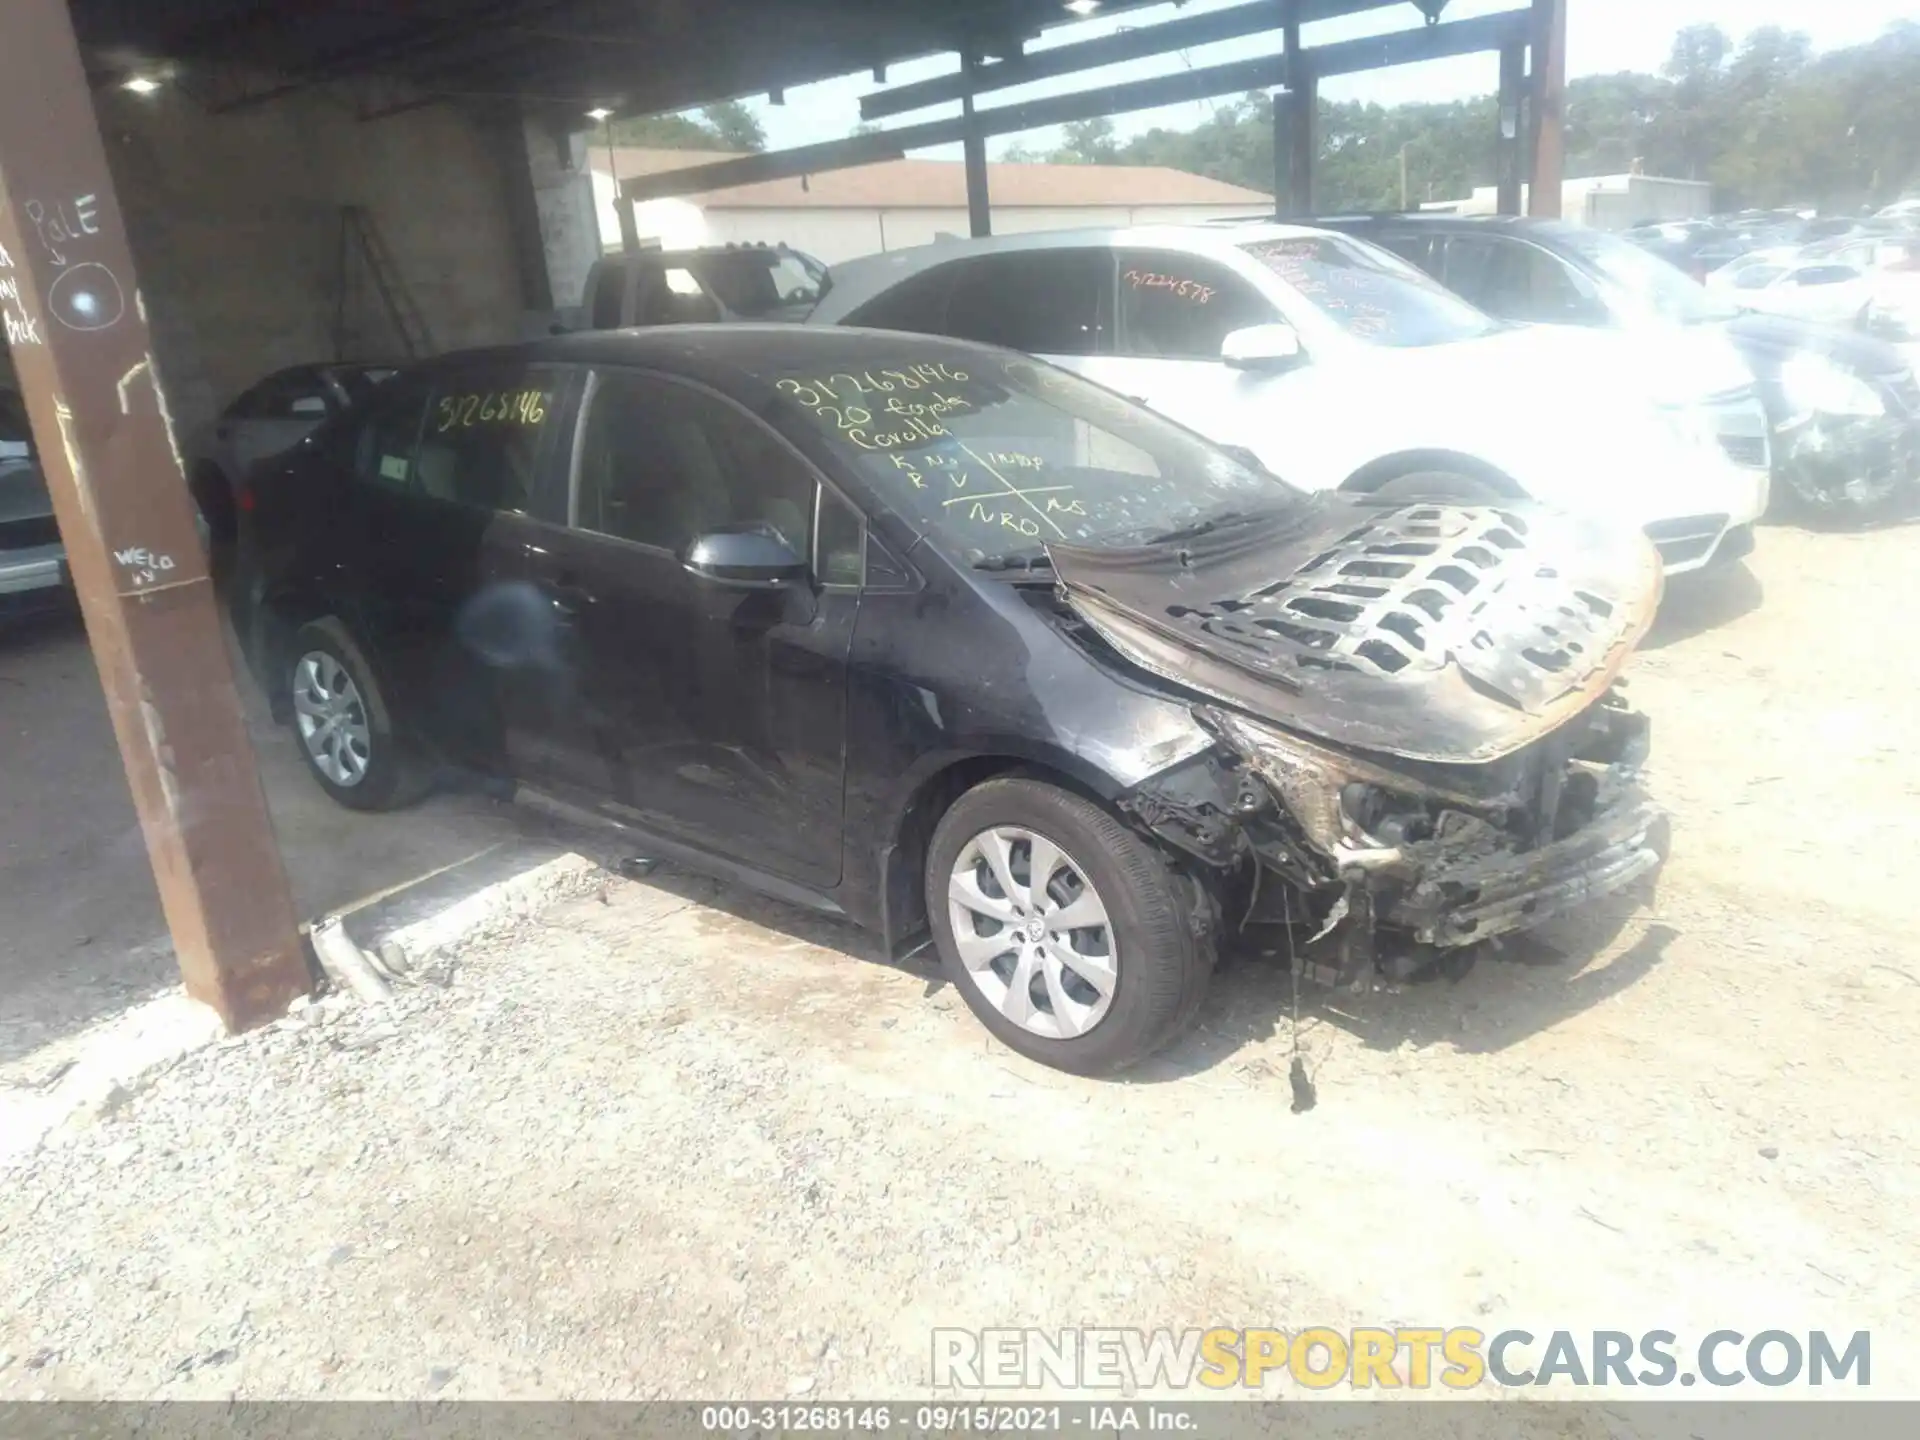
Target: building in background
[[898, 203], [1606, 202]]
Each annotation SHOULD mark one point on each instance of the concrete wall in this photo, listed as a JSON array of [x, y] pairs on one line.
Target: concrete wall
[[236, 230]]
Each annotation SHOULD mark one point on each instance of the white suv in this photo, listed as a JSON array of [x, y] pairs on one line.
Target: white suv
[[1339, 365]]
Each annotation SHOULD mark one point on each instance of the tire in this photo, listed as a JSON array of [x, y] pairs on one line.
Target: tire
[[1157, 960], [1438, 485], [359, 757]]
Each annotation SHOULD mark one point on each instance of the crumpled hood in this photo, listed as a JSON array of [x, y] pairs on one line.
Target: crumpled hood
[[1436, 632]]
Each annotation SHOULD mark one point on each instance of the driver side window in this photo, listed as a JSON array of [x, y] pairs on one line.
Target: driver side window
[[662, 463], [1181, 307]]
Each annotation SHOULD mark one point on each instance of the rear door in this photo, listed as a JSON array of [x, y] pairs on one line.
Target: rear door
[[1057, 304], [453, 486], [713, 715]]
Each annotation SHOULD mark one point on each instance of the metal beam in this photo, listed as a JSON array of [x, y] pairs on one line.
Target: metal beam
[[1509, 141], [1140, 43], [979, 206], [1235, 77], [79, 340], [1549, 140]]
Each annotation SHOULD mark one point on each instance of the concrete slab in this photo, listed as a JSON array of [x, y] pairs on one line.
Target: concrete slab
[[81, 934]]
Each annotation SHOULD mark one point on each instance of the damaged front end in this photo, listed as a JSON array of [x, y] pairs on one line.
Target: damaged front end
[[1418, 723]]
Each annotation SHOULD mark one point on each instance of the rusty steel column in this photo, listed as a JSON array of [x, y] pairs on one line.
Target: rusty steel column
[[1296, 138], [1510, 140], [1548, 165], [974, 151], [76, 325]]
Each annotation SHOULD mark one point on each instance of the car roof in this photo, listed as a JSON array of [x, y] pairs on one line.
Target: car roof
[[716, 353], [1465, 224], [857, 281]]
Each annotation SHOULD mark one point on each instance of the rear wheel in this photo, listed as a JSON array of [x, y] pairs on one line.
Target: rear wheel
[[1068, 935], [345, 725]]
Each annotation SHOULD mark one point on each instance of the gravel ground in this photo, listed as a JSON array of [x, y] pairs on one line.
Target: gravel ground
[[669, 1140]]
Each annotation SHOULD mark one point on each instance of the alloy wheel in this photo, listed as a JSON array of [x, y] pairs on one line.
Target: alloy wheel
[[332, 719], [1032, 932]]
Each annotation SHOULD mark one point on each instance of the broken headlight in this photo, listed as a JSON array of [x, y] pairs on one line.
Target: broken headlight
[[1378, 816]]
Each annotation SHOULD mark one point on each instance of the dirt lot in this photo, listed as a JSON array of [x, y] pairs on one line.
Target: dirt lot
[[678, 1142]]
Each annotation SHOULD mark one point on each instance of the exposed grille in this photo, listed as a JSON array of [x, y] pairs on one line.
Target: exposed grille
[[1746, 449], [29, 534], [1419, 589]]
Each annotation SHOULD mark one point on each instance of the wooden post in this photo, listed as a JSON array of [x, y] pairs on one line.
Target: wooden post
[[974, 149], [1548, 168], [74, 319]]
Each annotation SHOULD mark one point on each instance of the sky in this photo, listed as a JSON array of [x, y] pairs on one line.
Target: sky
[[1602, 36]]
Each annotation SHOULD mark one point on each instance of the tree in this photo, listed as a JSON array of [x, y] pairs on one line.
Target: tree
[[1767, 120], [1087, 142], [729, 125], [735, 126]]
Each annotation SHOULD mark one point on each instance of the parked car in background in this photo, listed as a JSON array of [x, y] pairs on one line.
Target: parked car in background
[[268, 418], [1842, 409], [1809, 289], [713, 283], [945, 640], [1340, 366], [33, 565]]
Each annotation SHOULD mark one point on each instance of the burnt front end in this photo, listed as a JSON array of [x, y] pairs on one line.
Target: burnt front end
[[1446, 856], [1421, 732]]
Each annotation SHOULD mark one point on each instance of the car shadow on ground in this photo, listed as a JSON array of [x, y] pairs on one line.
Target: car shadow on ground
[[1694, 604], [1478, 1001], [1483, 1001]]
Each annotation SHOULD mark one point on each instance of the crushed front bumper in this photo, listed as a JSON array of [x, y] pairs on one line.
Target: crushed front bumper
[[1451, 902]]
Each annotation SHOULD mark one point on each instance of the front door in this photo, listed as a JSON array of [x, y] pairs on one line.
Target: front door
[[713, 715], [1174, 311]]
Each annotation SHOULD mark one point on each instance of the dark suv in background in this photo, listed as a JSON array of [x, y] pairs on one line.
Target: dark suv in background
[[1844, 407]]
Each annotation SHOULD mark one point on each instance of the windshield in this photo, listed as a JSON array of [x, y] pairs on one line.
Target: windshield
[[1372, 295], [995, 456], [760, 282], [1647, 280]]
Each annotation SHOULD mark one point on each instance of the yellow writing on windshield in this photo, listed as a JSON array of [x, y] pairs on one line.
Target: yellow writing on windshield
[[512, 407]]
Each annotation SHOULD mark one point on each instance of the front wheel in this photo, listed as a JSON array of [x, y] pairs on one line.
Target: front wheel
[[1070, 937]]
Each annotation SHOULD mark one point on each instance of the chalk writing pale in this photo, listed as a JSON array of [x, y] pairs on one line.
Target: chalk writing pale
[[6, 260], [1186, 289], [22, 329], [520, 407]]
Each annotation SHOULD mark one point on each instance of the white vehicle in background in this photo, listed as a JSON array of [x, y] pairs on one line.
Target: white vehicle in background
[[1341, 367], [1806, 288]]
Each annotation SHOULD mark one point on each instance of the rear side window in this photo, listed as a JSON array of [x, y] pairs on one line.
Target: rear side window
[[1046, 302], [296, 395], [918, 304], [484, 434], [1181, 307], [1825, 275], [390, 435]]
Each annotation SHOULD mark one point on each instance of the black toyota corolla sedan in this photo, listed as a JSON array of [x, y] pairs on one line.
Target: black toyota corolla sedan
[[961, 647]]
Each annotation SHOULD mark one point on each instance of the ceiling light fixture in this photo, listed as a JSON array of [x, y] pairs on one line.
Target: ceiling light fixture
[[140, 84], [599, 113], [1082, 7]]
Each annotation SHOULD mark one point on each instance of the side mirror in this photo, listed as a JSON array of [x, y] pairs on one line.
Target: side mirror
[[1265, 348], [751, 558]]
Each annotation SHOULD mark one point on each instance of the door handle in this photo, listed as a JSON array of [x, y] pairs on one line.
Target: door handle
[[568, 598]]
